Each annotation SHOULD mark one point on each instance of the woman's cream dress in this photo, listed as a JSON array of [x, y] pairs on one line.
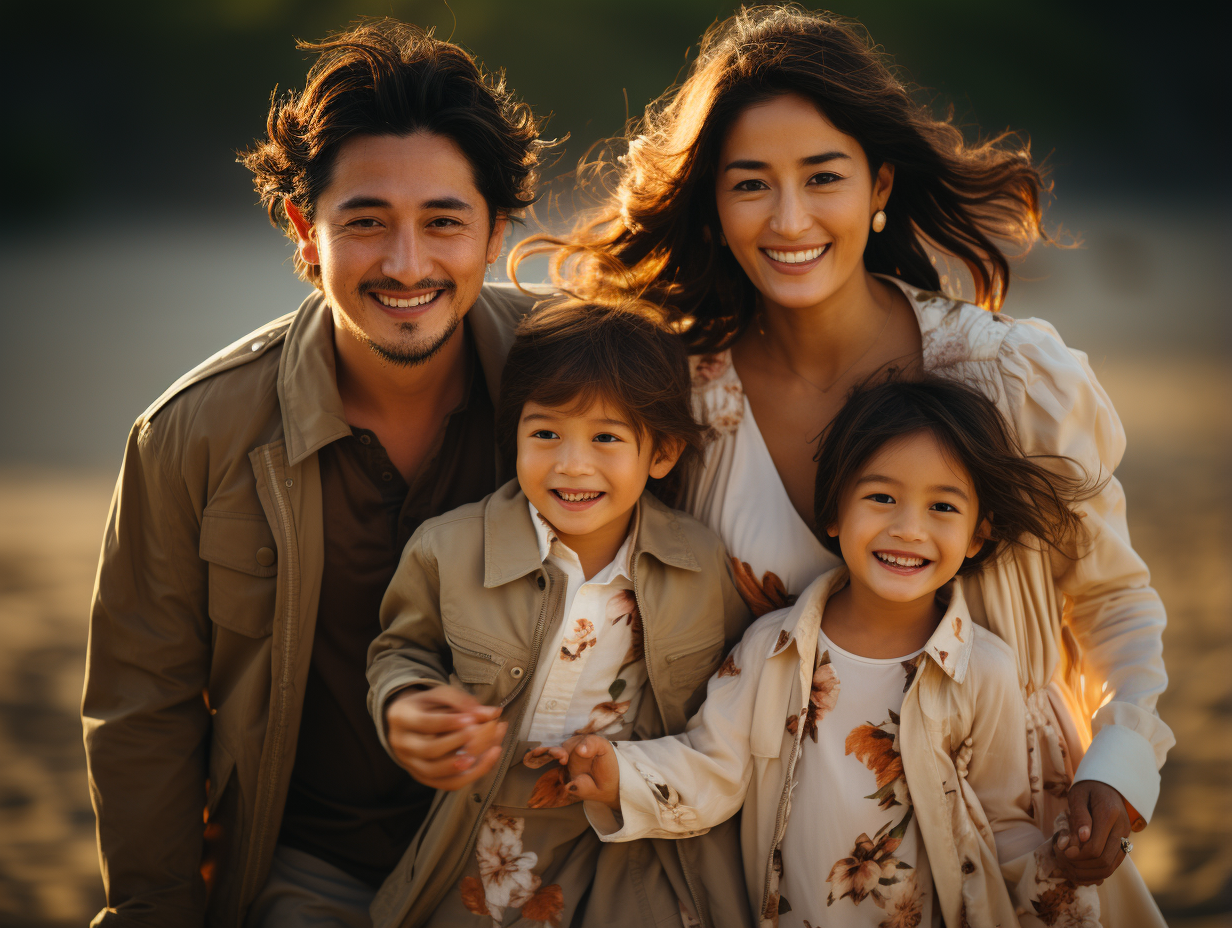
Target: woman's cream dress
[[1087, 630]]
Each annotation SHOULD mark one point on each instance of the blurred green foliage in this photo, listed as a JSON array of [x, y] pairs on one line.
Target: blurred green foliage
[[144, 102]]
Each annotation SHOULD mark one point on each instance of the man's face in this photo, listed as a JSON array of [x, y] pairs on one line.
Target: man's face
[[402, 238]]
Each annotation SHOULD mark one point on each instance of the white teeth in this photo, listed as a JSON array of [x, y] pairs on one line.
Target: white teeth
[[579, 497], [403, 304], [899, 561], [796, 257]]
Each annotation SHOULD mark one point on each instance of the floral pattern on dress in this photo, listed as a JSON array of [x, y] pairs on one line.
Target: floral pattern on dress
[[911, 668], [1049, 896], [872, 867], [823, 696], [904, 905], [506, 875], [667, 797], [761, 597], [775, 905], [550, 791], [876, 746]]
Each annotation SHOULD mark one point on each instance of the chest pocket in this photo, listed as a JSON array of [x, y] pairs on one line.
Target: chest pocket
[[243, 571]]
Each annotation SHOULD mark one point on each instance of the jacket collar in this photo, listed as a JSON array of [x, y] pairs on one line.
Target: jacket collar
[[511, 545], [312, 414], [949, 646]]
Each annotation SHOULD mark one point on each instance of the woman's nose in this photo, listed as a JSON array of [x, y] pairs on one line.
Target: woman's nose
[[790, 218]]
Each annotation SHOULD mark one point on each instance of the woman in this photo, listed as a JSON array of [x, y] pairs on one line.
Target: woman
[[783, 201]]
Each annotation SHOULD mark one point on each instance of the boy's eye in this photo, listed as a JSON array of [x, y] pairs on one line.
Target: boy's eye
[[545, 434], [606, 437], [880, 497]]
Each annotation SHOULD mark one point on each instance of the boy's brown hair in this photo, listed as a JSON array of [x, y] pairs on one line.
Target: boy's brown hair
[[571, 353], [1017, 495]]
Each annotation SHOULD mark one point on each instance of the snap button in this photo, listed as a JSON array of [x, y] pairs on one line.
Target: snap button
[[387, 476], [515, 672], [257, 346], [365, 439], [290, 482], [542, 583], [266, 556]]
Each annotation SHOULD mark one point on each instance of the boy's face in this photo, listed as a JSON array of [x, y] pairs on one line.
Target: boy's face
[[908, 520], [584, 468]]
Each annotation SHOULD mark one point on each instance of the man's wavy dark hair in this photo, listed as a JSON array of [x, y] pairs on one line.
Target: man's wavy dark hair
[[384, 77]]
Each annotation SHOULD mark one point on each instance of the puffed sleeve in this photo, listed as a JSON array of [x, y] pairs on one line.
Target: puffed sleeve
[[1057, 407]]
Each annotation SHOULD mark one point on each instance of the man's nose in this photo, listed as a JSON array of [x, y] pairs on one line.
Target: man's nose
[[406, 259], [790, 218]]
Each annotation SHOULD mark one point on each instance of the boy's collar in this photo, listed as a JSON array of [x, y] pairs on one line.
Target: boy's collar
[[511, 545], [949, 645], [547, 537]]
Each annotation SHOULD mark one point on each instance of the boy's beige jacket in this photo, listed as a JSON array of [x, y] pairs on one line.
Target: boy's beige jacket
[[203, 614], [960, 737], [471, 604]]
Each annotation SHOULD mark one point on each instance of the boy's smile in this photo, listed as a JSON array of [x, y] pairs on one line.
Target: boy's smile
[[584, 468]]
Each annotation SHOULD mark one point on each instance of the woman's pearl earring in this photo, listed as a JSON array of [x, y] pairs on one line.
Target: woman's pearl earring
[[879, 220]]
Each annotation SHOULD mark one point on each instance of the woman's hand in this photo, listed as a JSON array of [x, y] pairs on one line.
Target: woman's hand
[[1091, 851], [443, 736]]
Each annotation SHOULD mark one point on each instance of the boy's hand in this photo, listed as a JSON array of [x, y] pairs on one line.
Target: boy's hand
[[594, 773], [1098, 821], [443, 736]]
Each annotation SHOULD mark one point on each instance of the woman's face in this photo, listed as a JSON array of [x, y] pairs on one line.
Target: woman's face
[[795, 200]]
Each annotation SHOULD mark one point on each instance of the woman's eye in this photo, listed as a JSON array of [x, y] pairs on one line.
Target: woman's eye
[[825, 177], [607, 437], [751, 185], [545, 434], [880, 497]]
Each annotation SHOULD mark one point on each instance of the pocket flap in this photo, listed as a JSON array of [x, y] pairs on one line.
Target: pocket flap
[[473, 665], [239, 541]]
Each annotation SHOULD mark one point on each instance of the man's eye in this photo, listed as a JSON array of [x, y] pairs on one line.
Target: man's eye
[[545, 434], [443, 222], [607, 437], [363, 224], [880, 497]]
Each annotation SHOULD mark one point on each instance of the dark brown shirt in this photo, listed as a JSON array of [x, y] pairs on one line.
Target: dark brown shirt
[[349, 803]]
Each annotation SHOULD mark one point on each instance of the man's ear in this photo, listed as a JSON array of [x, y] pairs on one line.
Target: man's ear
[[305, 232], [665, 458], [983, 533], [496, 241]]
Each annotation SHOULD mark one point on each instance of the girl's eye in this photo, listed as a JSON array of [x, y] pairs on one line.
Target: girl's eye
[[751, 185], [606, 437], [880, 497], [825, 177], [545, 434], [944, 507]]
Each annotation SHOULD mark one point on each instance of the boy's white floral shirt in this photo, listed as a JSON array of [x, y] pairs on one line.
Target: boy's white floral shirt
[[963, 755]]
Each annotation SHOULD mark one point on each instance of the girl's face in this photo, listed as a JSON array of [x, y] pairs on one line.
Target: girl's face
[[908, 520], [795, 200]]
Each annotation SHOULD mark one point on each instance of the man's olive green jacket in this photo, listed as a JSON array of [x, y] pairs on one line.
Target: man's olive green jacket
[[203, 614]]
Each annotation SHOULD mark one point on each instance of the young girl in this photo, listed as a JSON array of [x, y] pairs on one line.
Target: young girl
[[873, 732], [570, 601]]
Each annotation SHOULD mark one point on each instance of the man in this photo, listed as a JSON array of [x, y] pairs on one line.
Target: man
[[265, 499]]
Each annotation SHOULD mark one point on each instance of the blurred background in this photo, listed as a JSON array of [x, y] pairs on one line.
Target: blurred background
[[131, 248]]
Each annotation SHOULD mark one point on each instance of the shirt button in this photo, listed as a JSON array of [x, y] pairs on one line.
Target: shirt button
[[551, 703], [387, 476], [365, 439], [266, 556], [257, 346], [515, 672]]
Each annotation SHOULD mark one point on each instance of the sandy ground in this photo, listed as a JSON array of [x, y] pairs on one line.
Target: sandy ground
[[1176, 477]]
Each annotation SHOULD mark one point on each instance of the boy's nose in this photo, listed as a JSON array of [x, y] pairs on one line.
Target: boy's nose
[[573, 462]]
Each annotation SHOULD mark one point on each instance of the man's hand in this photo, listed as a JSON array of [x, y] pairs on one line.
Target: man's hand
[[1091, 852], [443, 736], [590, 760]]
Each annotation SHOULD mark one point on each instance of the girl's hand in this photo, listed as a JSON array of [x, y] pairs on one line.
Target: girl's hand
[[443, 736], [1091, 852], [590, 760]]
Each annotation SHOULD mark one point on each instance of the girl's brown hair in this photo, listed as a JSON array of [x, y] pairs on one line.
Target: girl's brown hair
[[1017, 495], [571, 353], [657, 234]]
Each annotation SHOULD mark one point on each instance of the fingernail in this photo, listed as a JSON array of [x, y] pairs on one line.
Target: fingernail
[[1063, 842], [1083, 833]]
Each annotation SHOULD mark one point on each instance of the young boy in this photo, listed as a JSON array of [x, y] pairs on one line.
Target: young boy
[[570, 601]]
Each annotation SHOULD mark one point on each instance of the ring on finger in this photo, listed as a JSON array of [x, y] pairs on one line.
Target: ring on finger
[[1126, 846]]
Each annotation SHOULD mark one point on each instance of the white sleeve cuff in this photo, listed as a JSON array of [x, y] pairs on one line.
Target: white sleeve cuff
[[1125, 760]]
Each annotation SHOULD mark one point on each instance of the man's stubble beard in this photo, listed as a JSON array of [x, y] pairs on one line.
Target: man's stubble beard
[[418, 352]]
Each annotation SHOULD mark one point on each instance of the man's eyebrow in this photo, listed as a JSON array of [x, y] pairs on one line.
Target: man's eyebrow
[[747, 164], [363, 201], [446, 203]]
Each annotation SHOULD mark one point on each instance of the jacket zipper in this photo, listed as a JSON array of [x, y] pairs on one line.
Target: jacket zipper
[[654, 690], [549, 595], [265, 796]]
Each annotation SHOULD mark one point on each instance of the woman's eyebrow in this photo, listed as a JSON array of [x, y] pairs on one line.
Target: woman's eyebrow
[[824, 157], [748, 164]]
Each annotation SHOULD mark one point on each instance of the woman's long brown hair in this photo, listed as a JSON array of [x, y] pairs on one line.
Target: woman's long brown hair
[[655, 236]]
